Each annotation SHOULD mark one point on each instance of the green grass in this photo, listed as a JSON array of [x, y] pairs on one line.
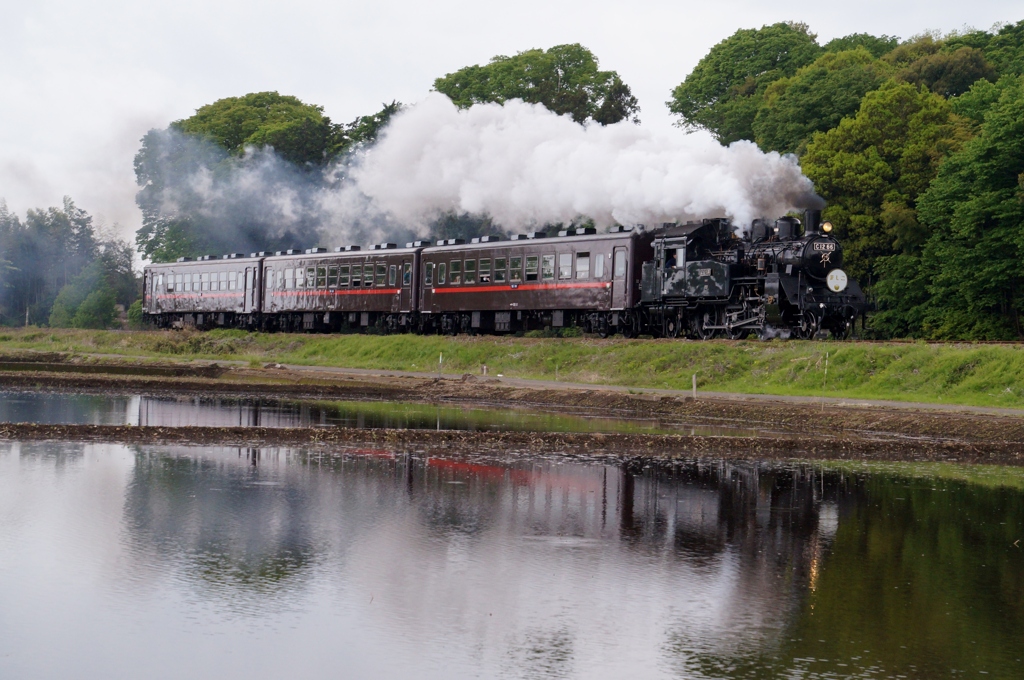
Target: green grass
[[960, 373]]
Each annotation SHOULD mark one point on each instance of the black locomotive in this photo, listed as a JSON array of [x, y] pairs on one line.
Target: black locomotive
[[699, 279]]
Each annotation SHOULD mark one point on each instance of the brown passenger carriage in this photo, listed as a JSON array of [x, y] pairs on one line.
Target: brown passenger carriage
[[208, 292], [348, 288], [532, 281]]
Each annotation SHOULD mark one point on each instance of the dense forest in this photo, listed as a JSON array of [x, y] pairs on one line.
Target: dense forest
[[917, 146]]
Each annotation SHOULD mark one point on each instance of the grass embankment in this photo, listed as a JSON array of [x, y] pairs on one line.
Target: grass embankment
[[982, 375]]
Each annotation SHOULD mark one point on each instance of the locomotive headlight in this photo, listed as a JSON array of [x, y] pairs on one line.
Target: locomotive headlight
[[836, 280], [826, 227]]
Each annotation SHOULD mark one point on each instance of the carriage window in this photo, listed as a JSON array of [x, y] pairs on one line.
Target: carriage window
[[233, 279], [515, 269], [160, 282], [407, 274], [441, 272], [599, 266], [499, 270], [485, 271], [310, 277], [582, 265], [196, 283], [357, 275], [547, 267], [532, 268], [280, 279], [332, 276], [321, 277], [392, 275], [565, 266], [470, 271], [382, 272], [367, 274], [456, 271], [343, 276], [223, 280], [204, 279], [177, 282], [620, 264], [428, 274]]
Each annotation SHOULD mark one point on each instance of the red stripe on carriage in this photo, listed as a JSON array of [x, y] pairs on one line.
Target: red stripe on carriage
[[473, 288]]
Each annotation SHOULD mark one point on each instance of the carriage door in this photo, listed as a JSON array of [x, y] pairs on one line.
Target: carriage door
[[405, 301], [619, 281], [247, 293]]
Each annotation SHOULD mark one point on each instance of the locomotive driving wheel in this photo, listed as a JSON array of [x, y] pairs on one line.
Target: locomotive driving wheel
[[701, 324]]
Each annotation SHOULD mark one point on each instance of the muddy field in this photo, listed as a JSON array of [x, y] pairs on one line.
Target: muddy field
[[791, 430]]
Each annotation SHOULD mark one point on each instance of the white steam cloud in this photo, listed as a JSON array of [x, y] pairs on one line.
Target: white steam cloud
[[524, 165]]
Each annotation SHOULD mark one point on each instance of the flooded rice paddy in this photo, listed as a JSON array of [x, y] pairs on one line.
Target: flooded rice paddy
[[56, 408], [169, 562]]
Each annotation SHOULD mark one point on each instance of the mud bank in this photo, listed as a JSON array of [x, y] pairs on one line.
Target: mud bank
[[532, 443]]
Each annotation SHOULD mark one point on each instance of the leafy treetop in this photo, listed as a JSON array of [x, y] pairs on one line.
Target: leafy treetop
[[565, 79], [723, 92]]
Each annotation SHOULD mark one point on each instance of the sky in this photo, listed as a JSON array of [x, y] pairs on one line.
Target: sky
[[81, 83]]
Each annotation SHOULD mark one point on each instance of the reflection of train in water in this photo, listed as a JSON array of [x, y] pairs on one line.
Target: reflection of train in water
[[699, 279]]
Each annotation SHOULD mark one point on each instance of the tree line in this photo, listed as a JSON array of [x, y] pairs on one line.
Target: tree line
[[58, 269], [916, 145]]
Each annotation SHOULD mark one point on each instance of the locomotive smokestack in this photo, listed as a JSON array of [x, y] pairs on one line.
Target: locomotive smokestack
[[812, 221]]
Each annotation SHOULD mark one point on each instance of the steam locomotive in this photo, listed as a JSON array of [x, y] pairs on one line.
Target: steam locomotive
[[699, 280]]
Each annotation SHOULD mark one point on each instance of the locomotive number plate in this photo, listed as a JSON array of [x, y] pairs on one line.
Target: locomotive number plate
[[704, 272], [824, 246]]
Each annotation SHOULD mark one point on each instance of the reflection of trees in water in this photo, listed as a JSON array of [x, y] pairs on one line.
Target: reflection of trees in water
[[744, 566], [58, 454], [920, 578], [228, 525]]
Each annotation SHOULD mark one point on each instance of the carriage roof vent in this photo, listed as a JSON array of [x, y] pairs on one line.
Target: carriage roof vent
[[347, 249], [293, 251], [451, 242], [207, 258], [585, 231], [518, 237], [235, 256], [261, 253], [485, 239], [387, 246], [619, 229], [536, 234], [184, 259], [417, 244], [313, 251]]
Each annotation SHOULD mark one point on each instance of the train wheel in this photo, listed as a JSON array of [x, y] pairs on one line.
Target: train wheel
[[672, 326], [603, 328], [701, 323]]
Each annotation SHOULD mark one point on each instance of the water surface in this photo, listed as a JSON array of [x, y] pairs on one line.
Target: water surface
[[171, 562], [55, 408]]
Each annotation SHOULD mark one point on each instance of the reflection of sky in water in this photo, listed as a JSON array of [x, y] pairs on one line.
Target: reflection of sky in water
[[72, 408], [197, 562]]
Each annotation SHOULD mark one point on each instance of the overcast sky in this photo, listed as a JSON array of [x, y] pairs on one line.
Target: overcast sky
[[81, 82]]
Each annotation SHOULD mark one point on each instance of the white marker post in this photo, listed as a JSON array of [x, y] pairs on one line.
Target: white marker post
[[440, 358], [695, 387]]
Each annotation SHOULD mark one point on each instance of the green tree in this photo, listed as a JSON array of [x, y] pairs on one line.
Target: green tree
[[816, 98], [876, 45], [724, 91], [948, 73], [872, 168], [968, 280], [565, 79], [298, 132]]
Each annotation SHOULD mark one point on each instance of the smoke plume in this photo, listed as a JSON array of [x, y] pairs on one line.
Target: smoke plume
[[524, 165]]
